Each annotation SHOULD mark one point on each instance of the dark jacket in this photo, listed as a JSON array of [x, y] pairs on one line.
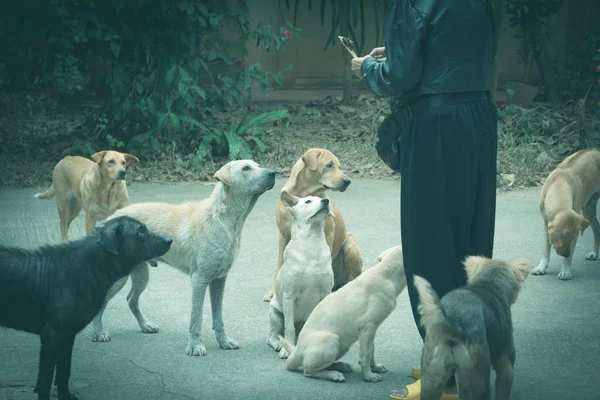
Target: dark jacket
[[434, 46]]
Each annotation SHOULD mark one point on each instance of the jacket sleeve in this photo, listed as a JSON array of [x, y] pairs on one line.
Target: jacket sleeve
[[404, 34]]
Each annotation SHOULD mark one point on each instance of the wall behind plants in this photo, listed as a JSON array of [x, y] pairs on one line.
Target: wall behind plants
[[160, 67]]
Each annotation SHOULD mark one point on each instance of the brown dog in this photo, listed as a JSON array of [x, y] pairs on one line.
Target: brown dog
[[573, 187], [317, 171], [97, 186]]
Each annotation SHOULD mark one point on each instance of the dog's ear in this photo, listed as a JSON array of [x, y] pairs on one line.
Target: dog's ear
[[289, 200], [107, 240], [97, 157], [129, 158], [583, 224], [473, 265], [311, 159], [224, 175], [521, 267]]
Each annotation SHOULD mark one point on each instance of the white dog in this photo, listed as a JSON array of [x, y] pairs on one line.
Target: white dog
[[306, 276], [206, 239], [352, 313]]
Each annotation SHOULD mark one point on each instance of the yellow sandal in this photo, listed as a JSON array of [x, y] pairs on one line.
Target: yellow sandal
[[416, 372], [414, 393]]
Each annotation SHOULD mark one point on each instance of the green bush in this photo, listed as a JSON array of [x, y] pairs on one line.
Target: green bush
[[161, 66]]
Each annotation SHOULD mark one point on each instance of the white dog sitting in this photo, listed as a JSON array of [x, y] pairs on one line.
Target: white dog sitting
[[354, 312], [306, 276]]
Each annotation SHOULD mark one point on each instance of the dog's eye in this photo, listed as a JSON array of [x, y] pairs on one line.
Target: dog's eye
[[111, 162], [330, 165], [308, 202], [141, 233], [246, 168]]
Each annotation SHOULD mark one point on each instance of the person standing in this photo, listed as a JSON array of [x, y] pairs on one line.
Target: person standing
[[438, 67]]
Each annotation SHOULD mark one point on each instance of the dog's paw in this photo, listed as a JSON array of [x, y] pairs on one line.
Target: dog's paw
[[267, 298], [539, 270], [283, 353], [564, 275], [228, 343], [591, 256], [336, 376], [149, 327], [342, 367], [68, 396], [195, 349], [379, 368], [373, 378], [101, 336], [274, 343]]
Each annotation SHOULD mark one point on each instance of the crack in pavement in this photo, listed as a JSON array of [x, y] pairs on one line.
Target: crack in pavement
[[161, 376]]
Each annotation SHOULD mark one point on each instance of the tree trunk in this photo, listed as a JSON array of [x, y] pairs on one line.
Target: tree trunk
[[344, 16], [542, 66]]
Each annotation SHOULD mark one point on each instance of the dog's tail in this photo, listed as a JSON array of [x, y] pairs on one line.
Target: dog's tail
[[433, 318], [430, 308], [292, 363], [48, 194]]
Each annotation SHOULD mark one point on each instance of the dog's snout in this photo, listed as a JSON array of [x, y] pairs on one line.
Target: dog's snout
[[347, 181], [325, 201], [122, 173], [272, 174]]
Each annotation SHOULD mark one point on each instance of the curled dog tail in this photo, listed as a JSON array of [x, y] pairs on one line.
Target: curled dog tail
[[430, 308], [48, 194], [433, 318]]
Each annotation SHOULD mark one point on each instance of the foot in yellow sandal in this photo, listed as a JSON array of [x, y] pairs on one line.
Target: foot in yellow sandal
[[413, 392]]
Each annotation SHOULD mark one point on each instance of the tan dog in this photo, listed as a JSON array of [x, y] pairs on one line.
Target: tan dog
[[96, 185], [572, 187], [469, 330], [317, 171], [353, 313]]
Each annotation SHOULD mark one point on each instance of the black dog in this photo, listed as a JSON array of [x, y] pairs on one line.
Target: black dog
[[55, 291]]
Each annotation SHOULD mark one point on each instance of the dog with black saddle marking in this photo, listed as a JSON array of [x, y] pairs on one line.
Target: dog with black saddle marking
[[469, 330], [55, 291]]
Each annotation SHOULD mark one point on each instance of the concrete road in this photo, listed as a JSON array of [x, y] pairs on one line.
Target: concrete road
[[556, 323]]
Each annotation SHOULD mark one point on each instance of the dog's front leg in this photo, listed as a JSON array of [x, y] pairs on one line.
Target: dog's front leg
[[288, 321], [366, 351], [195, 346], [375, 367], [63, 368], [543, 265], [90, 223], [589, 213], [504, 377], [98, 332], [217, 287], [565, 271]]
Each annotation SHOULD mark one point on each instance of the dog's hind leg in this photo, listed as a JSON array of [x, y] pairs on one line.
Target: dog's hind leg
[[319, 359], [504, 375], [473, 382], [195, 346], [217, 288], [348, 264], [62, 204], [139, 281], [434, 371], [63, 369], [589, 213], [98, 332]]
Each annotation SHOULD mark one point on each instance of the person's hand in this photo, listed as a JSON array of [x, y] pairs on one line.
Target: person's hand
[[378, 52], [357, 64]]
